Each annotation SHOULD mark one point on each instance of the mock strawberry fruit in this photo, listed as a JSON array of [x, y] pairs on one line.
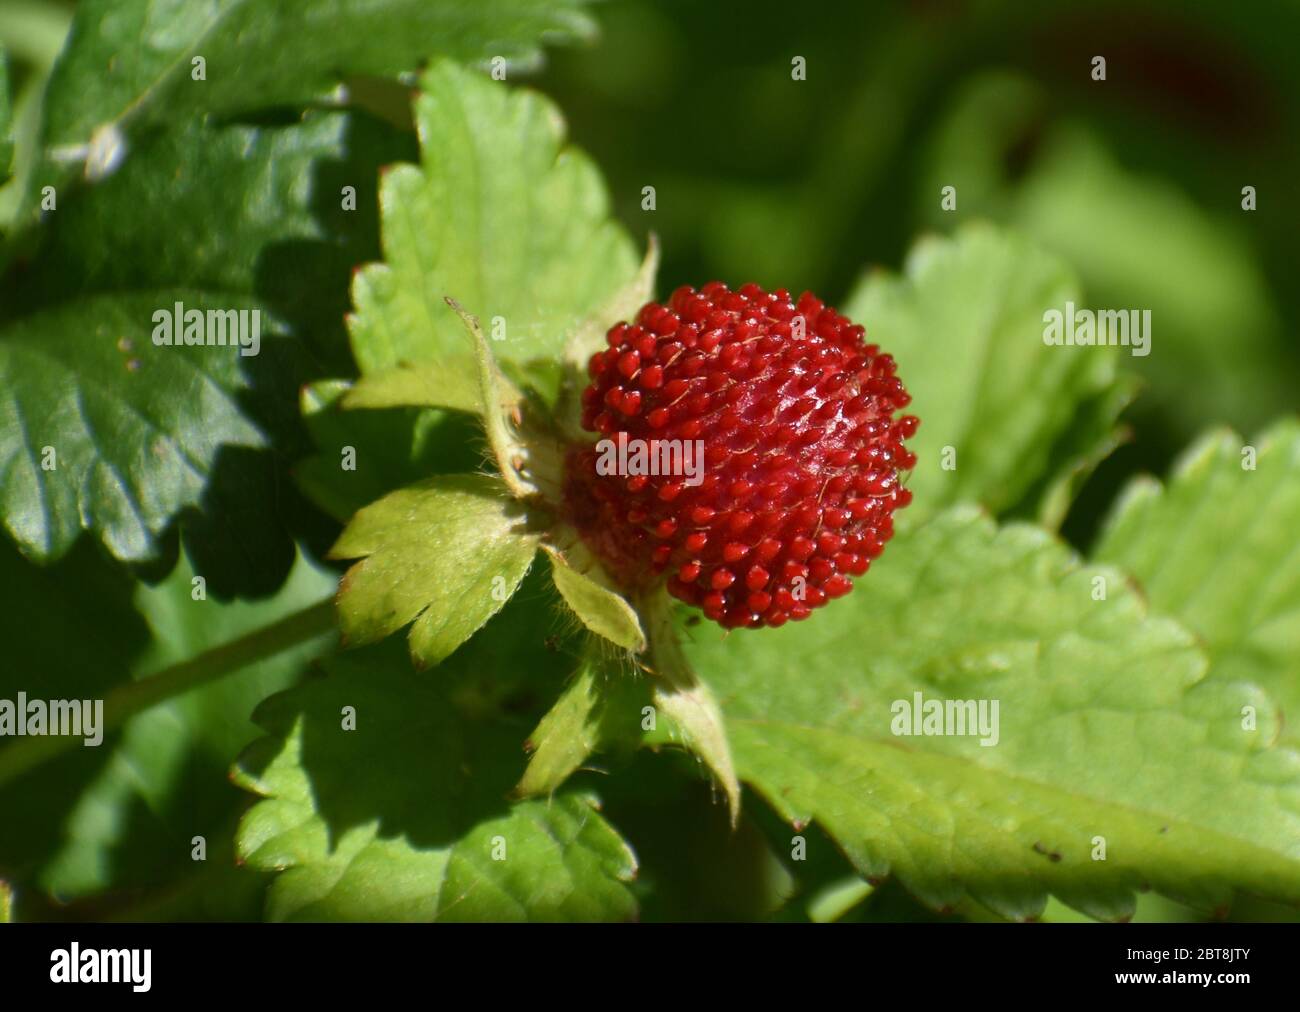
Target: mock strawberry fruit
[[749, 453]]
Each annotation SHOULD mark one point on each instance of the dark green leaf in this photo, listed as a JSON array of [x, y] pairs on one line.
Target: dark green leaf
[[386, 448], [117, 821], [136, 428], [132, 65]]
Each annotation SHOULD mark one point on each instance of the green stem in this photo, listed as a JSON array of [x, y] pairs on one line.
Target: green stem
[[679, 694], [127, 700], [34, 31], [664, 652]]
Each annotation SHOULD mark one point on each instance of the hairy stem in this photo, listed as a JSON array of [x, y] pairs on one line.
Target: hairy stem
[[127, 700], [678, 693]]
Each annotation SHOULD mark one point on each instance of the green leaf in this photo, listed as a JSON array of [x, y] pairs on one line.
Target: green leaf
[[403, 818], [499, 216], [567, 735], [71, 377], [6, 903], [593, 600], [135, 428], [444, 554], [251, 210], [965, 324], [452, 384], [1093, 436], [258, 56], [623, 304], [45, 661], [1107, 728], [1217, 547], [599, 710], [519, 430], [695, 721]]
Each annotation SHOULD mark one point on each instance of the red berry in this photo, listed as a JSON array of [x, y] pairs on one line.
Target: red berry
[[795, 483]]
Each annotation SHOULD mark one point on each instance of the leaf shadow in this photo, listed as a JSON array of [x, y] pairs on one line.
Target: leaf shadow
[[433, 753], [70, 632], [242, 534]]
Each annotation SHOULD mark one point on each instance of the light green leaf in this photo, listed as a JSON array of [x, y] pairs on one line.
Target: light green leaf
[[1107, 730], [6, 903], [403, 818], [599, 709], [1093, 436], [1218, 548], [452, 384], [499, 216], [567, 735], [597, 605], [315, 398], [695, 721], [623, 304], [966, 325], [519, 431], [444, 554]]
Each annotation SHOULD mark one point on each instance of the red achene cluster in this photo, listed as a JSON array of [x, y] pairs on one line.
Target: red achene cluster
[[799, 478]]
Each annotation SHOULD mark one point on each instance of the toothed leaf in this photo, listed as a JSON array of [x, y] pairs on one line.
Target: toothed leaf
[[965, 322], [599, 710], [500, 216], [1107, 729], [403, 817], [442, 556], [1217, 547]]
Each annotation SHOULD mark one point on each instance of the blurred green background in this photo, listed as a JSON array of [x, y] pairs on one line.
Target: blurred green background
[[1135, 180]]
